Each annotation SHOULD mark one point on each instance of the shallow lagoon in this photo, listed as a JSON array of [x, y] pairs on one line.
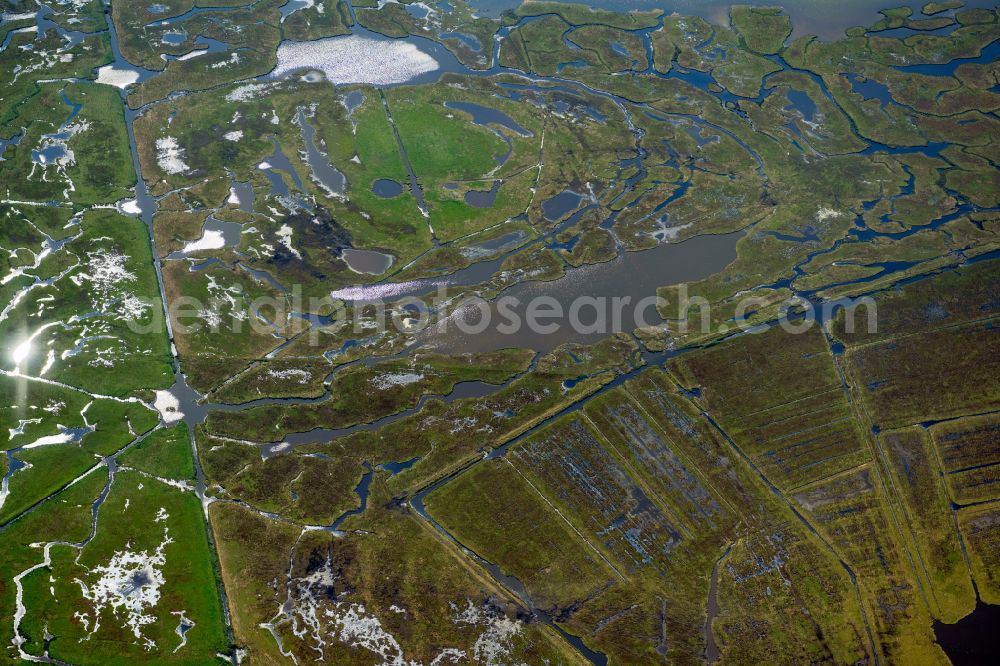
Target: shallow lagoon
[[827, 20], [483, 115], [368, 262], [324, 174], [632, 275], [561, 205]]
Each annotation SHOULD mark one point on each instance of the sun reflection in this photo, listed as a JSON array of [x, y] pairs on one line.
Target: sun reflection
[[22, 351], [26, 347]]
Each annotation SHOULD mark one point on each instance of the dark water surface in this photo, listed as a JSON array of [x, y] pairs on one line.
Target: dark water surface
[[387, 188], [483, 198], [973, 640]]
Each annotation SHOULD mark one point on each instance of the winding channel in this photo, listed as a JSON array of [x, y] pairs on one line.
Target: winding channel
[[634, 273]]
